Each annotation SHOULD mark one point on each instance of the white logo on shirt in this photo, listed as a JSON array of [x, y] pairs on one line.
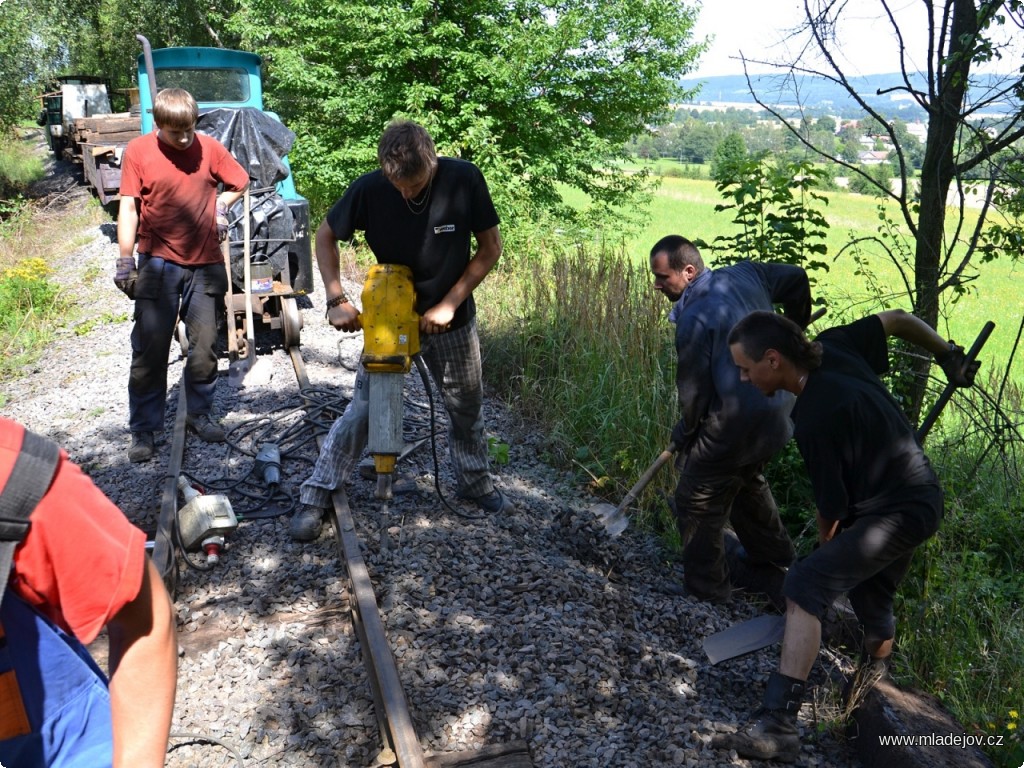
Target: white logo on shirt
[[444, 228]]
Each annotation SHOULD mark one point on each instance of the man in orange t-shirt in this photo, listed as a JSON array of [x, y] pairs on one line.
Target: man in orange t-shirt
[[170, 203], [81, 567]]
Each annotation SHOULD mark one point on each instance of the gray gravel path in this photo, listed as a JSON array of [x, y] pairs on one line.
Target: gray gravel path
[[529, 626]]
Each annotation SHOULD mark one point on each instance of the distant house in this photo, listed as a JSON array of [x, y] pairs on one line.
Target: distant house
[[872, 157], [919, 130]]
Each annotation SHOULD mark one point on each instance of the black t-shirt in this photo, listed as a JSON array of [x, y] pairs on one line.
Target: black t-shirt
[[861, 452], [435, 243]]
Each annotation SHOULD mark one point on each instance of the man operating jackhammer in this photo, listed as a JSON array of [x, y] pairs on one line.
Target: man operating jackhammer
[[420, 211], [877, 497]]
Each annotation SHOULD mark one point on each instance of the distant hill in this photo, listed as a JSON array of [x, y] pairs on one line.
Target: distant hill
[[819, 95]]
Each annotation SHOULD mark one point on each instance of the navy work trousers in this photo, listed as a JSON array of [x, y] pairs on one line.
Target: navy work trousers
[[164, 292], [705, 504]]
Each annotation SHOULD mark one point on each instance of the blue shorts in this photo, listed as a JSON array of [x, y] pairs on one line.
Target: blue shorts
[[63, 692]]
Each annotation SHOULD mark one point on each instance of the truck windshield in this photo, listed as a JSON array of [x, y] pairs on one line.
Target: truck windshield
[[207, 85]]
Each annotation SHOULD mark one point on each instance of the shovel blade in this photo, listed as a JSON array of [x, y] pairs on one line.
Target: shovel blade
[[248, 369], [617, 524], [612, 519], [745, 637]]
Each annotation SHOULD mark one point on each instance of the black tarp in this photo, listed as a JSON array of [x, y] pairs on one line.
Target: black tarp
[[259, 143]]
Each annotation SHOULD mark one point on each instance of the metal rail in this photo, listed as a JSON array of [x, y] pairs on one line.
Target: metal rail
[[400, 742], [401, 745]]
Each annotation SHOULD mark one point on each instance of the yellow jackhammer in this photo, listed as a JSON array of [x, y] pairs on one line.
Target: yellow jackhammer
[[391, 337]]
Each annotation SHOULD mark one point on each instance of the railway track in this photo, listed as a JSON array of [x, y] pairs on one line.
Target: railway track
[[400, 743]]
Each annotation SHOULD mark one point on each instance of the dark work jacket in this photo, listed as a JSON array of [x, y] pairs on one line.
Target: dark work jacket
[[728, 422]]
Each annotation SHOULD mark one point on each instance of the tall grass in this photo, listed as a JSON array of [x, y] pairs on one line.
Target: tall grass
[[962, 618], [579, 342], [19, 166], [31, 304]]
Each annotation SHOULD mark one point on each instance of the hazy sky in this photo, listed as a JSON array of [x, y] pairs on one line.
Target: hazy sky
[[756, 27]]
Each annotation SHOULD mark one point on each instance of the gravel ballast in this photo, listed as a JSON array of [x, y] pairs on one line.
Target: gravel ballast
[[530, 626]]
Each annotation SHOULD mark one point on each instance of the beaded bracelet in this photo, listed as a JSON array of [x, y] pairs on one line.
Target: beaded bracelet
[[336, 301]]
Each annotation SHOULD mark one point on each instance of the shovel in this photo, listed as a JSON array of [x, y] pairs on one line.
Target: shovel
[[246, 366], [614, 519], [762, 631]]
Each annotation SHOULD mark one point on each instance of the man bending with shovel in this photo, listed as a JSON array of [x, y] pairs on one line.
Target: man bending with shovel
[[728, 430], [871, 482]]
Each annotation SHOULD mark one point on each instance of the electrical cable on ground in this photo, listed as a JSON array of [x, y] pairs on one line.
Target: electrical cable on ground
[[422, 368], [198, 738]]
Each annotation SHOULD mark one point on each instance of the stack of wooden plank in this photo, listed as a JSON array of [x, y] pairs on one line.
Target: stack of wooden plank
[[100, 130]]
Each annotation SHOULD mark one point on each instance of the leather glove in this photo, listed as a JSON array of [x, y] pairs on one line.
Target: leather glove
[[680, 439], [952, 363], [125, 275], [222, 221]]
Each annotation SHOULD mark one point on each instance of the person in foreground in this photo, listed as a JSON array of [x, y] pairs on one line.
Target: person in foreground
[[727, 430], [421, 211], [877, 497], [170, 202], [80, 567]]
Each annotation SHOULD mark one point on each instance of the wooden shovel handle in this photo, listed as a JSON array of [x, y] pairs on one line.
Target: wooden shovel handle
[[645, 478], [229, 301]]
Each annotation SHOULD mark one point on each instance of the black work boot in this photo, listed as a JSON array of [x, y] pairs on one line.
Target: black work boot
[[206, 429], [142, 447], [771, 732]]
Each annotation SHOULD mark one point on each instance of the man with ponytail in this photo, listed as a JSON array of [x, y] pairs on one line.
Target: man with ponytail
[[877, 497]]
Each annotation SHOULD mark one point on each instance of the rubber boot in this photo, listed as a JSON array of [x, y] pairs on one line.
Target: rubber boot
[[771, 732]]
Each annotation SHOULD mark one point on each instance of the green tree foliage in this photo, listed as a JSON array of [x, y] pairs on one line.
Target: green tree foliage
[[872, 180], [913, 148], [697, 141], [18, 63], [730, 157], [40, 39], [536, 93], [778, 208], [849, 143]]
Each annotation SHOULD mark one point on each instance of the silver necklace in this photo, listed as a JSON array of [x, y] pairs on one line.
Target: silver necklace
[[416, 207]]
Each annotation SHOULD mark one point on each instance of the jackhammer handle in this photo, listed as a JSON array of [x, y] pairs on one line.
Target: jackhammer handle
[[972, 354], [645, 478]]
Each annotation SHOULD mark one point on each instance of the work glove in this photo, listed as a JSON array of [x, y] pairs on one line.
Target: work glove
[[125, 275], [222, 221], [680, 439], [952, 363]]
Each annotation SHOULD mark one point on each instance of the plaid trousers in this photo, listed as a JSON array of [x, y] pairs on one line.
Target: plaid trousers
[[453, 360]]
